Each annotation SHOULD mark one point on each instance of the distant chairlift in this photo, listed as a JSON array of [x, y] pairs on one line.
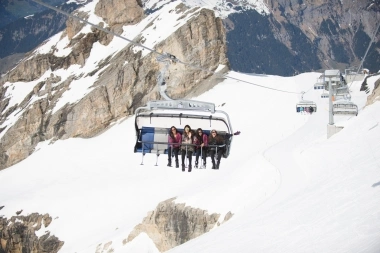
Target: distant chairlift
[[325, 95], [304, 105], [319, 86], [344, 107], [343, 93]]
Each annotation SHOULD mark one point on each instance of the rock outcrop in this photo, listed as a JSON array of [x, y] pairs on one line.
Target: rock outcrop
[[126, 12], [173, 224], [375, 96], [17, 235]]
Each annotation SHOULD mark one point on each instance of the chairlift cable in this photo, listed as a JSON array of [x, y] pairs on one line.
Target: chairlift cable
[[365, 55], [237, 79], [92, 24], [170, 56]]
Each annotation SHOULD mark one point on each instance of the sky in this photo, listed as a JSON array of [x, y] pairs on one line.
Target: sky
[[290, 189]]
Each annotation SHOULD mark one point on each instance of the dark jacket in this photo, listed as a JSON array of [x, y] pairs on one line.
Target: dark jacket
[[217, 140]]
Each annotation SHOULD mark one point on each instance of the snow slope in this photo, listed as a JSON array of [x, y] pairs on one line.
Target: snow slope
[[289, 187]]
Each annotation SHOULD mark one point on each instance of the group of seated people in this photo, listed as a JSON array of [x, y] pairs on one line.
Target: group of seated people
[[197, 142], [308, 109]]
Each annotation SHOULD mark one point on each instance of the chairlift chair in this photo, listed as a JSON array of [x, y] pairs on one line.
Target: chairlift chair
[[325, 95], [319, 86], [153, 123], [321, 83], [304, 105], [344, 107], [342, 93]]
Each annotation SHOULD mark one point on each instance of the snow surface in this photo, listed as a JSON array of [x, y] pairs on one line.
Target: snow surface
[[289, 187]]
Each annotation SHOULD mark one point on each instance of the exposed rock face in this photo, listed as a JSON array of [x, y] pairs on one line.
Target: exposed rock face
[[173, 224], [73, 26], [375, 96], [17, 235], [120, 11], [24, 34], [304, 35], [125, 83]]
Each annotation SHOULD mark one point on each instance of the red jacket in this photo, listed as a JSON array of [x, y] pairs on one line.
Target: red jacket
[[177, 139]]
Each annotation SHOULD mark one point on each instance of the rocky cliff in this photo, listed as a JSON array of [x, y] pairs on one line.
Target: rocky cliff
[[304, 35], [24, 34], [171, 224], [18, 235]]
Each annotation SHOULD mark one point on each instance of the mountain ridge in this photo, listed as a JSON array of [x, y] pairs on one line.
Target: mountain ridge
[[334, 37]]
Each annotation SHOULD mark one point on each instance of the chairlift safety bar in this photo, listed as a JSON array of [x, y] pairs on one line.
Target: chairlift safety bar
[[181, 144]]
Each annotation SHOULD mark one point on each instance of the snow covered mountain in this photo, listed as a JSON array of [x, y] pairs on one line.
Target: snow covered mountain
[[71, 182]]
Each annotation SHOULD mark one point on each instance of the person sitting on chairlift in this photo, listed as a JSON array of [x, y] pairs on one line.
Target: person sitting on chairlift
[[201, 140], [173, 149], [215, 140], [187, 150], [311, 110]]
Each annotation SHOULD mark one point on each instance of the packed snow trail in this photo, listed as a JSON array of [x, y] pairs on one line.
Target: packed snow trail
[[326, 197], [293, 177]]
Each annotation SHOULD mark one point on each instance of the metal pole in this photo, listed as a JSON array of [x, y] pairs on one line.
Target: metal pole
[[331, 118]]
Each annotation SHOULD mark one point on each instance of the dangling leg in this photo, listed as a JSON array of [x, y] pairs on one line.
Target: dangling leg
[[176, 150], [142, 156], [170, 156], [197, 157], [157, 155], [212, 154], [204, 155], [190, 157], [183, 154], [219, 157]]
